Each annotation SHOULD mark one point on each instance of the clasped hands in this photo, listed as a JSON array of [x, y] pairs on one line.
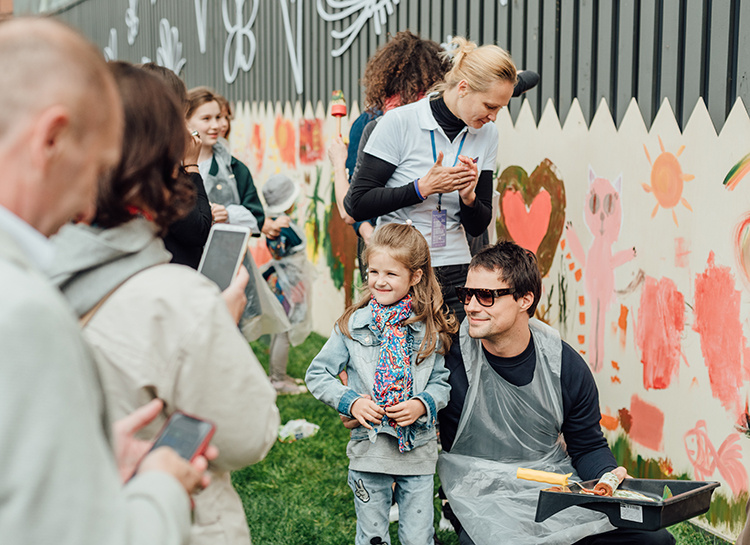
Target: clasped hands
[[462, 177], [365, 410]]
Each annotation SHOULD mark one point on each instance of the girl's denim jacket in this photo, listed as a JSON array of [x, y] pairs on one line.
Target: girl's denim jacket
[[359, 357]]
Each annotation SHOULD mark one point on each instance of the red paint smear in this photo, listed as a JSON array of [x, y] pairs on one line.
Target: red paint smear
[[615, 380], [562, 245], [311, 146], [609, 422], [647, 426], [572, 266], [258, 139], [717, 321], [579, 275], [286, 140], [581, 300], [581, 339], [527, 225], [615, 365], [582, 317], [681, 252], [659, 330], [625, 419], [261, 254], [622, 323]]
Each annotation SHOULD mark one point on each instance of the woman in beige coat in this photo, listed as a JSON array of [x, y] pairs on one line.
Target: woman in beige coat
[[162, 330]]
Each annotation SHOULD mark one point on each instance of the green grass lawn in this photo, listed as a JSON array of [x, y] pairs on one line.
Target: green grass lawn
[[298, 495]]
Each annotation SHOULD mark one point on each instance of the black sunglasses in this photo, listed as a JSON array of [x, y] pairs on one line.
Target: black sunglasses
[[485, 297]]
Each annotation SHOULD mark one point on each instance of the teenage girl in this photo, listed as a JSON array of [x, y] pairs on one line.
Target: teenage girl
[[391, 344]]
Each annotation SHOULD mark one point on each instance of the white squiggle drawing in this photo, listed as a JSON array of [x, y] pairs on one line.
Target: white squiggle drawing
[[169, 53], [447, 45], [132, 21], [202, 22], [294, 56], [375, 9], [238, 33], [110, 51]]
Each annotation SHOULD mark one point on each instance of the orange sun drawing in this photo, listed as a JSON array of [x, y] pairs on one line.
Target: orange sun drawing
[[666, 180]]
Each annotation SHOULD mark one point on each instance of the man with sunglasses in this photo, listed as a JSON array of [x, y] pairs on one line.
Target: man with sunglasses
[[520, 397]]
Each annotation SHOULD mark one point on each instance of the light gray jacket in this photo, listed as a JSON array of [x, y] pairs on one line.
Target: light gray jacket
[[359, 357], [166, 332], [60, 484]]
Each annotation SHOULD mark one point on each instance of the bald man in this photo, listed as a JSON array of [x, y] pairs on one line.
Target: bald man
[[60, 130]]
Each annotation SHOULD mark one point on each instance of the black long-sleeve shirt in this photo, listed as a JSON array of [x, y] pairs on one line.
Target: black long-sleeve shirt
[[584, 440], [369, 198], [186, 237]]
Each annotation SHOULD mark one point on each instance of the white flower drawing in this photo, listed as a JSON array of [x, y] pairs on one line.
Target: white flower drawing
[[239, 34], [110, 51], [169, 53], [132, 21], [370, 9]]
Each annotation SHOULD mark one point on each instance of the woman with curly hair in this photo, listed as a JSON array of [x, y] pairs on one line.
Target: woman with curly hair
[[399, 73]]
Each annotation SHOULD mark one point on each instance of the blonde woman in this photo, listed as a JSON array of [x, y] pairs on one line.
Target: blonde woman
[[432, 161]]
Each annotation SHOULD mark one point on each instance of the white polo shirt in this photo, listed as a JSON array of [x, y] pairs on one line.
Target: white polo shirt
[[402, 138]]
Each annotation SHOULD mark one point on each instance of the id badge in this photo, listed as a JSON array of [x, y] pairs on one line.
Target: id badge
[[439, 220]]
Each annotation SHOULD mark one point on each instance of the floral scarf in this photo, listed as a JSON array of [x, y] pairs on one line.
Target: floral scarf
[[393, 379]]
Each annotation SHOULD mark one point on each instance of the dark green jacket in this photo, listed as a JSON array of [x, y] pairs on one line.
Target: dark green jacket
[[245, 187]]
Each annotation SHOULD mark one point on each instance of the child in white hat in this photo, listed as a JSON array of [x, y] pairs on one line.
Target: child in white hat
[[289, 276]]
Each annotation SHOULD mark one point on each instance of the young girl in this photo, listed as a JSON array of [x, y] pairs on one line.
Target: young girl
[[391, 344]]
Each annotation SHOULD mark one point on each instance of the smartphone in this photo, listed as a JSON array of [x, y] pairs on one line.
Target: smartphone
[[187, 435], [223, 253]]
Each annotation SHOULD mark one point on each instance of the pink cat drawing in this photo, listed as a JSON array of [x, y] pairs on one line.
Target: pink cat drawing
[[603, 216]]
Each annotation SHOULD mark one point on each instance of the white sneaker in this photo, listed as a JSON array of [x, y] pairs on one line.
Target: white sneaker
[[393, 513], [285, 387]]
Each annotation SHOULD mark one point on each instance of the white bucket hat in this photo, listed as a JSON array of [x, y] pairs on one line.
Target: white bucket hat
[[280, 193]]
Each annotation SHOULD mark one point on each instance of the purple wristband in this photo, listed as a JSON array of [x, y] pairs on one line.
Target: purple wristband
[[416, 188]]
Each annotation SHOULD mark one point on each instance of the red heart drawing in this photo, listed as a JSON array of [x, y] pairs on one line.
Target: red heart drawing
[[532, 210], [527, 225]]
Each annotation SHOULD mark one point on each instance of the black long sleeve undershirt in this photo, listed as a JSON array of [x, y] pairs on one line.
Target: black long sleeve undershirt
[[585, 443]]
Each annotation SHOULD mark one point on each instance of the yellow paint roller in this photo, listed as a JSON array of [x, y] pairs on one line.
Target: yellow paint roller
[[543, 476]]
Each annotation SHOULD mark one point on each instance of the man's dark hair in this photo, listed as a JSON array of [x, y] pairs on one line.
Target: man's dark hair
[[515, 266]]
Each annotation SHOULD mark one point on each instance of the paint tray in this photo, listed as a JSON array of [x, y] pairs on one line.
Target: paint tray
[[690, 498]]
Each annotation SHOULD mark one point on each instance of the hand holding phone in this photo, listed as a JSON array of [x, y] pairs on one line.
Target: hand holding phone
[[185, 434], [182, 450], [234, 296], [223, 253]]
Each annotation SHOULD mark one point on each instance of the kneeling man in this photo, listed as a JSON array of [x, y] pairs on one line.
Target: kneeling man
[[520, 397]]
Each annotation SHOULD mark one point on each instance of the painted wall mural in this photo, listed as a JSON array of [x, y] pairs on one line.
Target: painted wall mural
[[656, 302], [603, 217]]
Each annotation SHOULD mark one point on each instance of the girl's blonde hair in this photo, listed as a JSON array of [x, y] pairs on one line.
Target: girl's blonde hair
[[406, 245], [479, 66]]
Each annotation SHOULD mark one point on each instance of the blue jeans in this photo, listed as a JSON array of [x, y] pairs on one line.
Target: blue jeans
[[372, 501]]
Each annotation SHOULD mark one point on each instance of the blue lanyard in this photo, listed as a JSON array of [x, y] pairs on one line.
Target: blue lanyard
[[434, 159]]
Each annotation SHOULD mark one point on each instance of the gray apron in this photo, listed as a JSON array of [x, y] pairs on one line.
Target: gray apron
[[520, 426]]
